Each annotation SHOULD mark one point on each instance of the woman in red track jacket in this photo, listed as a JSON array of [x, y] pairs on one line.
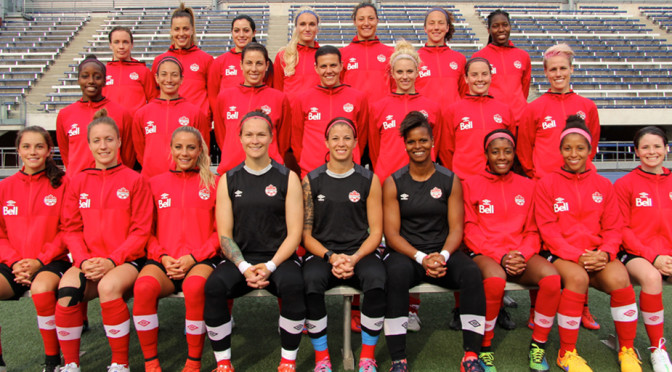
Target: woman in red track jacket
[[154, 124], [578, 218], [32, 252], [295, 64], [440, 77], [500, 232], [366, 59], [511, 66], [468, 120], [182, 251], [234, 102], [386, 147], [72, 120], [543, 119], [128, 82], [313, 110], [108, 213], [196, 62], [646, 206]]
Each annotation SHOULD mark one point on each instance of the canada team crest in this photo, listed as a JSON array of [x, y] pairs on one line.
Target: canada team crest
[[122, 193], [519, 199], [597, 197], [436, 193], [184, 121], [194, 67], [348, 107], [354, 196], [204, 194], [50, 200], [134, 76], [271, 190]]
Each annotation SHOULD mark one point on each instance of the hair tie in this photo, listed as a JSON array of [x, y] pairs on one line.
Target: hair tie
[[341, 121], [497, 136], [577, 131], [296, 20]]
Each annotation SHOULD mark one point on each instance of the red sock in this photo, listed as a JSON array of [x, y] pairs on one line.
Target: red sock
[[85, 310], [546, 306], [146, 292], [569, 319], [194, 301], [494, 291], [624, 312], [368, 352], [69, 324], [287, 361], [652, 312], [229, 304], [117, 323], [457, 299], [45, 305], [320, 355], [533, 298]]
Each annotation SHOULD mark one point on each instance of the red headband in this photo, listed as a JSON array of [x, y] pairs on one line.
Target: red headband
[[577, 131], [499, 135], [354, 130]]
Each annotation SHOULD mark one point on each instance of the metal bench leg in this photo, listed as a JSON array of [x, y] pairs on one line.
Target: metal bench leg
[[348, 357]]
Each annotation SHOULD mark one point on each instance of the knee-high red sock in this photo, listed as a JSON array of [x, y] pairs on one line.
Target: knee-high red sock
[[45, 306], [194, 301], [146, 292], [457, 299], [569, 319], [545, 307], [117, 323], [69, 324], [652, 312], [494, 291], [624, 312]]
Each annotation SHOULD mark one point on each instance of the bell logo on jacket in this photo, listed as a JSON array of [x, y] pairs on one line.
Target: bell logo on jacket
[[74, 130], [150, 127], [425, 72], [84, 201], [520, 200], [560, 205], [486, 207], [466, 123], [165, 201], [643, 200], [352, 64], [232, 114], [517, 65], [389, 122], [597, 197], [348, 107], [50, 200], [314, 114], [195, 67], [184, 121], [354, 196], [11, 209], [548, 123], [204, 194], [122, 193], [231, 71]]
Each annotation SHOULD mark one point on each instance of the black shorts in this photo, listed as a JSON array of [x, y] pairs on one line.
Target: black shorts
[[626, 257], [138, 264], [212, 262], [56, 267], [548, 256]]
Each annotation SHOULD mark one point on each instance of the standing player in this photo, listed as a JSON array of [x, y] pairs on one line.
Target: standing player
[[182, 252], [197, 62], [342, 228], [259, 218], [314, 109], [643, 196], [128, 82], [577, 213], [503, 240], [108, 214], [233, 102], [154, 124], [366, 59], [469, 119], [511, 66], [294, 64], [71, 120], [33, 255], [423, 225], [440, 77]]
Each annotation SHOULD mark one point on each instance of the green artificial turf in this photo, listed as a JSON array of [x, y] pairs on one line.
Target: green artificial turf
[[256, 343]]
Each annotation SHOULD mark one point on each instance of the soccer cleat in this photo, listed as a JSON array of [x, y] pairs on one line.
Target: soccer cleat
[[659, 358], [487, 360], [191, 366], [399, 366], [356, 321], [152, 365], [223, 368], [572, 362], [504, 320], [287, 367], [114, 367], [323, 365], [414, 322], [629, 361], [367, 365], [71, 367], [471, 365], [587, 320], [538, 361], [455, 323]]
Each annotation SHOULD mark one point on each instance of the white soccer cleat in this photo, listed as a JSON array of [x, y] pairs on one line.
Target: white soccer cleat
[[114, 367], [659, 358], [414, 323], [72, 367]]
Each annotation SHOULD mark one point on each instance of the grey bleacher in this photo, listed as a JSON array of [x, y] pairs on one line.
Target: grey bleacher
[[660, 15], [28, 48], [151, 35], [620, 62], [395, 21]]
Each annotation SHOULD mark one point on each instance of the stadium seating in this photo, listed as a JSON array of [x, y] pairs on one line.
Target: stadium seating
[[661, 15]]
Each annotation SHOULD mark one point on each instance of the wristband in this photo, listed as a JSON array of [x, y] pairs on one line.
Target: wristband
[[419, 256], [446, 255], [270, 265], [243, 266]]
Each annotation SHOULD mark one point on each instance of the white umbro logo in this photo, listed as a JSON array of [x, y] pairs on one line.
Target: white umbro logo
[[403, 197]]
